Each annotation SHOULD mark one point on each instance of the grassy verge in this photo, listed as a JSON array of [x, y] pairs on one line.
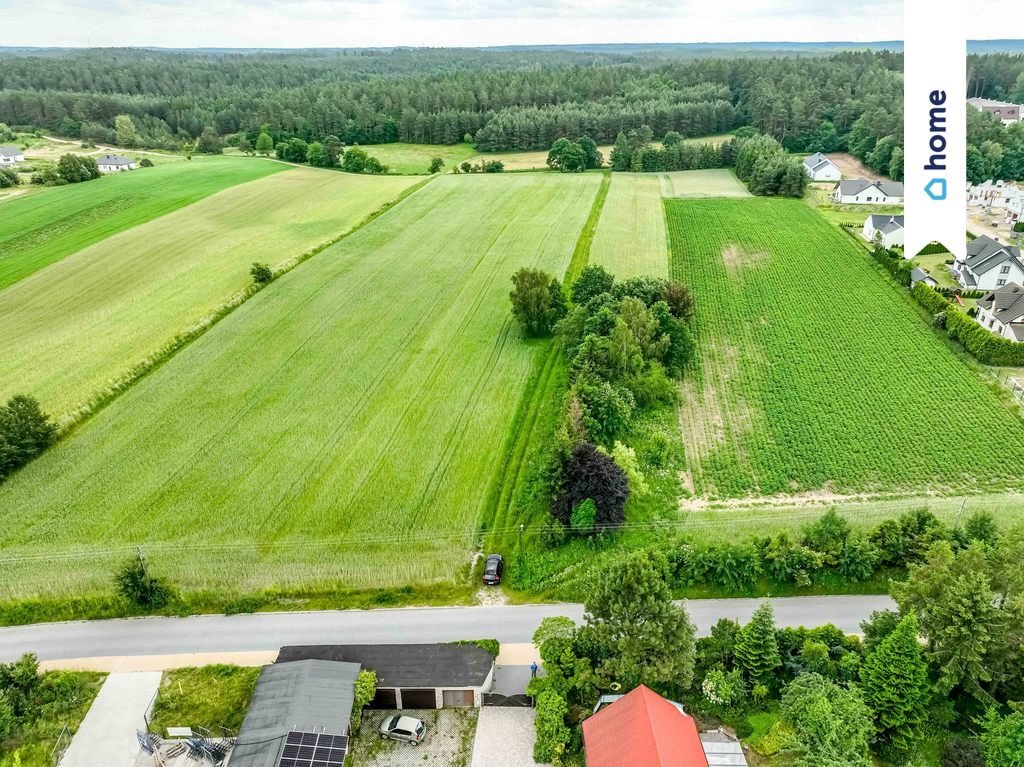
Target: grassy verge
[[213, 698], [66, 698]]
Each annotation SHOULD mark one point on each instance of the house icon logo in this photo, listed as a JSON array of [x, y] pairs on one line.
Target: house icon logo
[[936, 189]]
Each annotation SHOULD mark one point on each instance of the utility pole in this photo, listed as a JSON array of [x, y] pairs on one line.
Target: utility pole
[[960, 513], [142, 561]]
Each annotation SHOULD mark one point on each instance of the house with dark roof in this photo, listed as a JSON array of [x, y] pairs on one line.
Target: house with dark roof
[[11, 155], [113, 163], [920, 275], [861, 191], [821, 168], [412, 675], [989, 264], [298, 708], [1002, 311], [643, 729], [889, 229]]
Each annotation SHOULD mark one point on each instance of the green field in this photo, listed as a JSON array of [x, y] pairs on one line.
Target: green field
[[415, 158], [687, 184], [341, 428], [630, 239], [817, 373], [40, 228], [72, 328]]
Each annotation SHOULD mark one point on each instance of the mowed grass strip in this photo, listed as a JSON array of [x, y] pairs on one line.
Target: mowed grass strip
[[41, 228], [364, 397], [690, 184], [631, 238], [87, 319], [817, 372]]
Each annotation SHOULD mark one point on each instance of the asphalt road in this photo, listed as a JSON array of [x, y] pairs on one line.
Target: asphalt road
[[269, 631]]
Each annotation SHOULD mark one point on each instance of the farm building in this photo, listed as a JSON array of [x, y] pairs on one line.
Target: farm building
[[112, 163], [1002, 311], [861, 191], [1008, 113], [920, 275], [412, 675], [820, 168], [888, 228], [298, 707], [989, 265], [11, 155], [644, 729]]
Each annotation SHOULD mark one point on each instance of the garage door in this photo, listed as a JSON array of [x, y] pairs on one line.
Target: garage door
[[418, 698], [384, 699], [457, 698]]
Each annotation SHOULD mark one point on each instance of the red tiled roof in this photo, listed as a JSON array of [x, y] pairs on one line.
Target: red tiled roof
[[642, 729]]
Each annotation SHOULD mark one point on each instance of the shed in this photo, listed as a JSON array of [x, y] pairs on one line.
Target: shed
[[722, 750], [412, 675], [298, 708]]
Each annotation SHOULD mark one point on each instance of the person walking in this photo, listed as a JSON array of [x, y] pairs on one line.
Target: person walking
[[533, 670]]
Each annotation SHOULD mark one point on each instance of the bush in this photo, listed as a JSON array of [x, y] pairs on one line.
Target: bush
[[962, 752], [590, 474], [261, 273], [139, 587], [365, 690], [25, 432], [9, 178], [145, 162], [583, 516], [550, 725]]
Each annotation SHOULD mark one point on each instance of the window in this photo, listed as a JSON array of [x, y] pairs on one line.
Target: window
[[1000, 283], [1005, 269], [991, 323]]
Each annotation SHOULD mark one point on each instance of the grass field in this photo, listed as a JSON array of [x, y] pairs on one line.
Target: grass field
[[816, 373], [86, 319], [212, 697], [341, 428], [38, 229], [630, 239], [688, 184], [415, 158]]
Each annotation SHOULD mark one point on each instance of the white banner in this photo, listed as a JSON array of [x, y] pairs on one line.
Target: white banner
[[935, 124]]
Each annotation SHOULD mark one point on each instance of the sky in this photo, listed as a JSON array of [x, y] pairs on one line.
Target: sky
[[371, 23]]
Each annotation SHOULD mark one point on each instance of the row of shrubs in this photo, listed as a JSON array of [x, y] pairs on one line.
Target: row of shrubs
[[987, 347]]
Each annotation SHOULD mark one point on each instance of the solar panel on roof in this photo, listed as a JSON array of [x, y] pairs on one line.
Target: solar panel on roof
[[313, 749]]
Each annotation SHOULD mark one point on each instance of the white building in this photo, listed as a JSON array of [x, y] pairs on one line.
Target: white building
[[989, 265], [113, 163], [1002, 311], [820, 168], [1008, 113], [1015, 209], [860, 191], [993, 194], [11, 155], [888, 228]]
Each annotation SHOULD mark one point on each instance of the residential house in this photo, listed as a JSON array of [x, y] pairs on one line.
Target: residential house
[[412, 675], [643, 729], [993, 194], [113, 163], [820, 168], [861, 191], [989, 265], [1008, 113], [888, 228], [1002, 311], [920, 275], [11, 155], [1015, 209]]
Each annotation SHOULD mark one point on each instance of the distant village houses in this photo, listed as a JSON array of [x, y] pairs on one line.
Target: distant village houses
[[861, 191], [1008, 113], [989, 265], [113, 163], [820, 168], [993, 194], [1002, 311], [888, 229], [11, 155]]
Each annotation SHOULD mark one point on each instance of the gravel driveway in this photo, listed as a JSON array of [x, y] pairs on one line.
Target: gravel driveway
[[448, 744], [504, 737]]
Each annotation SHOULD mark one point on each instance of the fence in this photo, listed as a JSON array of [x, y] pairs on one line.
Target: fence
[[60, 746], [1012, 382]]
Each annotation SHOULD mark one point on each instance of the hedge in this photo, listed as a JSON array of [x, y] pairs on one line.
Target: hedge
[[932, 248], [987, 347]]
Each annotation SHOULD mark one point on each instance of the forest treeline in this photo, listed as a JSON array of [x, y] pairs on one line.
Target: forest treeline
[[499, 100]]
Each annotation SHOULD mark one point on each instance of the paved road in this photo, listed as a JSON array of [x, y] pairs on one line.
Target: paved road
[[268, 631]]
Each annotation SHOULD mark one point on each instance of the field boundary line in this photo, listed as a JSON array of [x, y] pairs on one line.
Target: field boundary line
[[95, 403], [581, 253]]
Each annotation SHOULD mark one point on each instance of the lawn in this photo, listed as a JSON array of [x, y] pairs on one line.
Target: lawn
[[85, 320], [213, 698], [40, 228], [415, 159], [816, 372], [630, 239], [935, 265], [689, 184], [340, 429]]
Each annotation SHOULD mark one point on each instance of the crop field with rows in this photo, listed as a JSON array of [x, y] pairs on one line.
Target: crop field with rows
[[88, 318], [689, 184], [341, 428], [630, 239], [43, 227], [816, 373]]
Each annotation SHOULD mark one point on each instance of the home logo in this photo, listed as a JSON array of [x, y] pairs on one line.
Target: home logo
[[937, 187]]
